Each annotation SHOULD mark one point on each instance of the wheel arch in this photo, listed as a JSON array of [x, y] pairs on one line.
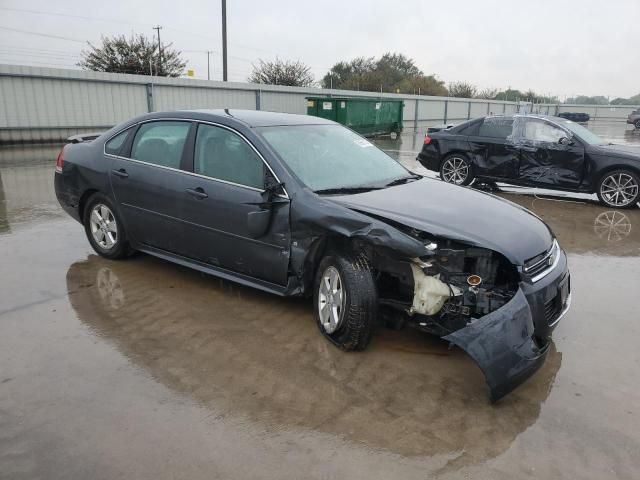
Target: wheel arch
[[82, 203], [611, 168], [316, 252]]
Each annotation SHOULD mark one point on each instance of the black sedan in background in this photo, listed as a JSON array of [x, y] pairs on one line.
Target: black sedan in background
[[535, 151], [299, 205]]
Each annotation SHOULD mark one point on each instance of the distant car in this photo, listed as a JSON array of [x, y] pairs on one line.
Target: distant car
[[575, 116], [535, 151], [299, 205], [634, 118]]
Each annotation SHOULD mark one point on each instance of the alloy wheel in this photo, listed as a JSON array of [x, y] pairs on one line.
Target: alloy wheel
[[331, 298], [455, 170], [619, 189], [104, 228]]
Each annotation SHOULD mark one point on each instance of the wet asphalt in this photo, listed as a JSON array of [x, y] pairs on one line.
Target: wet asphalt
[[147, 370]]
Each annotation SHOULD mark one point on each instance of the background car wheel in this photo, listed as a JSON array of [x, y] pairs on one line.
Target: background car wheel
[[345, 300], [457, 169], [637, 124], [104, 229], [620, 189]]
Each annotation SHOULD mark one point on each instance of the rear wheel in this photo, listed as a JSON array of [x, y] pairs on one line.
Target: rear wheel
[[345, 300], [104, 229], [619, 189], [457, 169]]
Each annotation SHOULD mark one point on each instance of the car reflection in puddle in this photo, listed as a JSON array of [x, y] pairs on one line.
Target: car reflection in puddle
[[254, 356]]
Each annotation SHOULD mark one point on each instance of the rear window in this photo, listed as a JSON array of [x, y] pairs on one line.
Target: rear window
[[496, 127]]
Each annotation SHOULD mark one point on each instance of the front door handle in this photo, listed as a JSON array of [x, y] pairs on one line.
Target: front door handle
[[122, 173], [197, 192]]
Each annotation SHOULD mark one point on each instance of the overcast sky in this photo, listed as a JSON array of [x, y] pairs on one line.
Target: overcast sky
[[562, 47]]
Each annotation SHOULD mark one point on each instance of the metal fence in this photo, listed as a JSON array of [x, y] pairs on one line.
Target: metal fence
[[39, 105]]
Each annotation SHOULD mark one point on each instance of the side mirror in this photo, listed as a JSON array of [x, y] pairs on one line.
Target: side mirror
[[565, 141], [258, 222], [271, 190]]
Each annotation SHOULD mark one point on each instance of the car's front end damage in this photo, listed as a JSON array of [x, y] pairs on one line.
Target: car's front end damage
[[497, 312], [501, 314], [485, 275]]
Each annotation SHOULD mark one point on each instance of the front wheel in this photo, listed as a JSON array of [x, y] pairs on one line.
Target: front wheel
[[345, 300], [637, 124], [619, 189], [457, 169]]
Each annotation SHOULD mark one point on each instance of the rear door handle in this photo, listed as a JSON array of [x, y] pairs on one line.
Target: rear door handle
[[122, 173], [197, 192]]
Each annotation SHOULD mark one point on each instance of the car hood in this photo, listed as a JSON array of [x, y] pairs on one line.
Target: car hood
[[626, 151], [458, 213]]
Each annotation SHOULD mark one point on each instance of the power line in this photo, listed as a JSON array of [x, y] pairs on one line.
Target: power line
[[42, 34], [69, 15]]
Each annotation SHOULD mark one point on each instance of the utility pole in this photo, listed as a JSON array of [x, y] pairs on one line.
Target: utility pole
[[158, 28], [224, 40], [208, 65]]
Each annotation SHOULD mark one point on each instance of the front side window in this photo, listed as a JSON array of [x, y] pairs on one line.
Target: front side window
[[331, 156], [540, 131], [496, 127], [160, 143], [583, 133], [224, 155]]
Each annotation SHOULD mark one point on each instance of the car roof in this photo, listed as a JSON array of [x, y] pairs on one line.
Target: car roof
[[259, 118]]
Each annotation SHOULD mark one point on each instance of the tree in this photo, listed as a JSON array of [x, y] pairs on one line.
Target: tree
[[423, 85], [510, 94], [635, 100], [585, 100], [462, 89], [392, 72], [487, 93], [282, 72], [137, 55]]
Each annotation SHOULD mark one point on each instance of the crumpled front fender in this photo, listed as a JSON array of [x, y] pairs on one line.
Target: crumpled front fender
[[502, 345]]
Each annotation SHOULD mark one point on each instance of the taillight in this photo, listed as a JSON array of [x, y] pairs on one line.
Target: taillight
[[60, 161], [427, 139]]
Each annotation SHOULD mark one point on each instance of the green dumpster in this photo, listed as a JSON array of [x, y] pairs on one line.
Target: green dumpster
[[367, 116]]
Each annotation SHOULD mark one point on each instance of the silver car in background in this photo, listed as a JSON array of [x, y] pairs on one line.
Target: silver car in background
[[634, 118]]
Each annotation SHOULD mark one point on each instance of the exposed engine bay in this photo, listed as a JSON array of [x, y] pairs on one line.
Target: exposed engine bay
[[449, 287]]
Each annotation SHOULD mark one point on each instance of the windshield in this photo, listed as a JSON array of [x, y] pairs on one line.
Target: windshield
[[327, 157], [585, 134]]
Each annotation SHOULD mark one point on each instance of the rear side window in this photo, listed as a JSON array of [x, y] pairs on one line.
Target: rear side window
[[114, 145], [224, 155], [471, 129], [160, 143], [496, 127]]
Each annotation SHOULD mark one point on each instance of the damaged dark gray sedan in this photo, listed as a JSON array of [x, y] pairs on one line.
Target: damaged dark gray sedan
[[299, 205]]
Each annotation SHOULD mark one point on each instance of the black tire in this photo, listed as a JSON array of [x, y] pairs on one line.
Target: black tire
[[608, 199], [637, 124], [358, 315], [119, 245], [453, 162]]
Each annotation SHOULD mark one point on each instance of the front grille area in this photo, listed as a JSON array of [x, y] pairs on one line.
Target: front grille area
[[541, 264], [552, 309]]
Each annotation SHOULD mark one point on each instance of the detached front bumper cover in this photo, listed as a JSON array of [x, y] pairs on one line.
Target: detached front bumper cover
[[502, 345]]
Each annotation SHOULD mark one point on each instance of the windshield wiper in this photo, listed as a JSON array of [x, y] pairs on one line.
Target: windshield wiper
[[359, 189], [400, 181]]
